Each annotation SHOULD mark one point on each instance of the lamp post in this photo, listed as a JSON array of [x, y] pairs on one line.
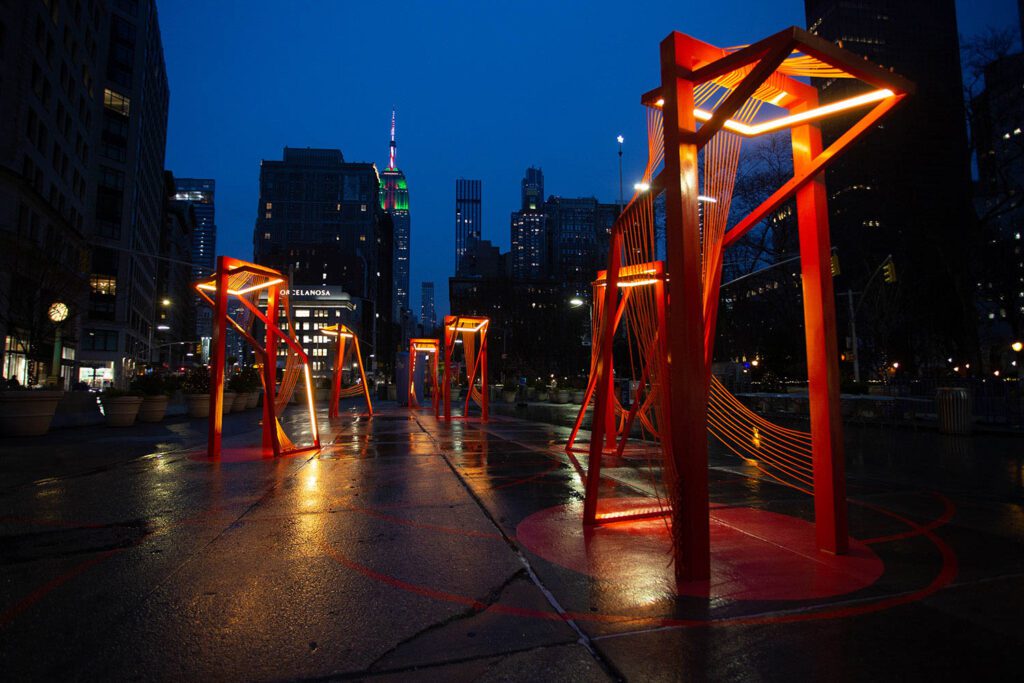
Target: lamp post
[[620, 140], [57, 313]]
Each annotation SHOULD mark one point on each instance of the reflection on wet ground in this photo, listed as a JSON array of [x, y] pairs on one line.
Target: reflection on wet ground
[[413, 548]]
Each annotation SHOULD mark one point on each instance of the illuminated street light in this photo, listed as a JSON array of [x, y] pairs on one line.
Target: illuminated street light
[[163, 328], [576, 302], [642, 187], [1017, 346], [166, 302]]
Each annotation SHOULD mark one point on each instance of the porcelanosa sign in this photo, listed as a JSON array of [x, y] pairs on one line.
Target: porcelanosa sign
[[318, 293]]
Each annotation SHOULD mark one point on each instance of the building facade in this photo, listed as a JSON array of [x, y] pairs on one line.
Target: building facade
[[528, 228], [320, 221], [201, 193], [121, 319], [468, 216], [998, 128], [428, 314], [175, 334], [51, 70], [904, 188]]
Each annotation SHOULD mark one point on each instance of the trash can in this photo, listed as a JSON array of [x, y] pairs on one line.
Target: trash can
[[954, 409]]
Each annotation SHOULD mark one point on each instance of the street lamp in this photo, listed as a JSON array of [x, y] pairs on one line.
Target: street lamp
[[576, 302], [620, 140], [57, 313], [1017, 346]]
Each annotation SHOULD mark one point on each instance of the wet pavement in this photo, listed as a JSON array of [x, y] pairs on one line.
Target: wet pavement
[[410, 549]]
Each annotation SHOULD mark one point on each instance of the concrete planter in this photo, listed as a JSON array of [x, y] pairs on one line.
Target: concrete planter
[[153, 408], [253, 399], [578, 396], [198, 405], [241, 402], [121, 411], [27, 413], [229, 402], [561, 396], [542, 396], [392, 392], [508, 396]]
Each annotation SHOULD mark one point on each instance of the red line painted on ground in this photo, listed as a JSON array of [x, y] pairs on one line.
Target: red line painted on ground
[[947, 514], [947, 573], [8, 615]]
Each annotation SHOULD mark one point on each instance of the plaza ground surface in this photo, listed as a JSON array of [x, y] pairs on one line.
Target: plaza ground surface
[[410, 549]]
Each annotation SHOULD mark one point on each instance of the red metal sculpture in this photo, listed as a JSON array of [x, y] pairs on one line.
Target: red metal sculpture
[[248, 283], [432, 349], [347, 351], [709, 101], [470, 332]]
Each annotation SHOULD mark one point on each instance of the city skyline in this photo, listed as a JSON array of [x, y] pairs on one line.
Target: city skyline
[[444, 135]]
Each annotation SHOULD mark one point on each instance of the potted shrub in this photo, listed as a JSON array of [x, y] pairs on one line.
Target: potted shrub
[[235, 386], [196, 387], [253, 383], [156, 393], [120, 408], [508, 393], [26, 412], [579, 389], [540, 389], [238, 385], [560, 394]]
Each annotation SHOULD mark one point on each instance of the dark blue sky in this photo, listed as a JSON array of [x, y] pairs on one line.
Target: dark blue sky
[[483, 90]]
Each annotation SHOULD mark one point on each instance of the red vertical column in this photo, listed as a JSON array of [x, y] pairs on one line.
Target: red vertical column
[[339, 366], [822, 353], [270, 443], [485, 396], [217, 344], [685, 393], [605, 384]]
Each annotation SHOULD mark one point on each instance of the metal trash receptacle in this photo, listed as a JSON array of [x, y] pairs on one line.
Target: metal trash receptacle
[[954, 408]]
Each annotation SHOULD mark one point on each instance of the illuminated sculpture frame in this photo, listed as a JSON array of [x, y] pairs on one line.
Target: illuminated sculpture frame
[[236, 278], [470, 330], [343, 351], [684, 345], [418, 347]]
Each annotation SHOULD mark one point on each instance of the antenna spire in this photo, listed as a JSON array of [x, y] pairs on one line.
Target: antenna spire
[[391, 161]]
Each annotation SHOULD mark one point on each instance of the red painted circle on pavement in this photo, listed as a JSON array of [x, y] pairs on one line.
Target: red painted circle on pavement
[[755, 554]]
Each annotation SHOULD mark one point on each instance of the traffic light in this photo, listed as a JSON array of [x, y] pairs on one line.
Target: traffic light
[[835, 264], [889, 272]]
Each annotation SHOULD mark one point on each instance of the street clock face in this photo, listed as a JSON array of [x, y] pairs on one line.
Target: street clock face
[[58, 312]]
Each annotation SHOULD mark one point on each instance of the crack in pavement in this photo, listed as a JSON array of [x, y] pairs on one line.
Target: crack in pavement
[[485, 603], [584, 639]]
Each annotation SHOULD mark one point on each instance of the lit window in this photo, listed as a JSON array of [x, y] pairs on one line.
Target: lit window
[[270, 206], [268, 215], [102, 284], [266, 235], [116, 102]]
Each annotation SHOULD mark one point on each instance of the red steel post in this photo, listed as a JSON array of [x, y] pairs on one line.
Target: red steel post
[[822, 353], [684, 390], [217, 350]]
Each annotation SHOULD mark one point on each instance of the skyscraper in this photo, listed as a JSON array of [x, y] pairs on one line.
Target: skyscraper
[[578, 229], [395, 202], [320, 220], [428, 316], [528, 226], [468, 216], [201, 193], [121, 330], [904, 189]]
